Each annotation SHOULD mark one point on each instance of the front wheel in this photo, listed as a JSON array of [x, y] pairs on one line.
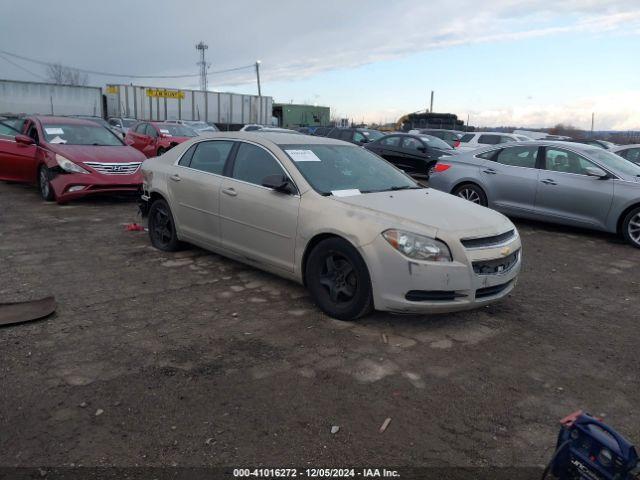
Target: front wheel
[[631, 227], [162, 230], [44, 184], [338, 280], [472, 193]]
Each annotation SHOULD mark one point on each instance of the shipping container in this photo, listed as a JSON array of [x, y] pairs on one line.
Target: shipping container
[[293, 116], [49, 99], [158, 104]]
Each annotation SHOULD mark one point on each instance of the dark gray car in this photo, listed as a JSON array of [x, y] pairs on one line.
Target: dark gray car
[[568, 183]]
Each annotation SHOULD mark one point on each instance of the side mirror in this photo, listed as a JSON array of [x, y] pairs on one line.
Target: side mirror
[[24, 140], [596, 172], [280, 183]]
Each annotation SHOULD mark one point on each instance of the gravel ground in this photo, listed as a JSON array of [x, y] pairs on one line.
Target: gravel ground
[[192, 359]]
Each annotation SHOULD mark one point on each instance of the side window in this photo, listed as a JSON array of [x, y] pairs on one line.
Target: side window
[[633, 154], [411, 143], [557, 160], [490, 155], [489, 139], [140, 128], [390, 141], [253, 164], [358, 137], [466, 138], [507, 139], [518, 157], [33, 132], [113, 122], [335, 133], [151, 131], [185, 160], [210, 156], [345, 135]]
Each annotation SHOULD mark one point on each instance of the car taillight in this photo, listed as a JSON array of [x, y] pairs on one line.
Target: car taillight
[[440, 167], [456, 143]]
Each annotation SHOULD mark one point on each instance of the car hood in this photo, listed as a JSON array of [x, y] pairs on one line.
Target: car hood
[[430, 212], [96, 153]]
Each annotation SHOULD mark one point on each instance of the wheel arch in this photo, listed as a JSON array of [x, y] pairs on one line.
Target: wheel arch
[[623, 215], [311, 244]]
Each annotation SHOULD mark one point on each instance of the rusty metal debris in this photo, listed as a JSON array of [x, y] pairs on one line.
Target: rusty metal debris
[[20, 312]]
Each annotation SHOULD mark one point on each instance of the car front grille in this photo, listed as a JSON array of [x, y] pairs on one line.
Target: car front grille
[[491, 291], [497, 266], [114, 168], [488, 242]]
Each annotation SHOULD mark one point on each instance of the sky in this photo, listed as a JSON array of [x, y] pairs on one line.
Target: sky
[[525, 63]]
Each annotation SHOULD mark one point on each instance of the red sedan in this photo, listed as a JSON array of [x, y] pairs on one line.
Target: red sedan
[[68, 158], [155, 138]]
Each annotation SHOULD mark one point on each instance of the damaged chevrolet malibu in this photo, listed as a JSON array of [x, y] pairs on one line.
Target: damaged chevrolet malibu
[[357, 232]]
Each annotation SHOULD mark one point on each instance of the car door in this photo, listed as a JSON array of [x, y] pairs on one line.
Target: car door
[[150, 141], [194, 186], [510, 177], [412, 154], [566, 192], [135, 135], [257, 222], [387, 148], [17, 159]]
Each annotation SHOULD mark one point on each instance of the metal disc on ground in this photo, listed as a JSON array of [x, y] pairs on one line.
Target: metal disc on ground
[[20, 312]]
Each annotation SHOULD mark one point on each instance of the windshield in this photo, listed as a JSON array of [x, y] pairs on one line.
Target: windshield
[[615, 162], [199, 125], [127, 122], [176, 130], [330, 169], [80, 135], [8, 130], [372, 135], [435, 142]]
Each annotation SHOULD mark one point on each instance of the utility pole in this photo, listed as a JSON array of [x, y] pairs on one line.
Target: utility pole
[[259, 91], [593, 114], [201, 47], [431, 105]]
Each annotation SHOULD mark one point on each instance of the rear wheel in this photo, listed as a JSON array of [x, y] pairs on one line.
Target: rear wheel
[[631, 227], [338, 280], [471, 192], [162, 230], [44, 184]]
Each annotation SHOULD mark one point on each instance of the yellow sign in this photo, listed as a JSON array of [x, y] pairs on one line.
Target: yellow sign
[[164, 93], [112, 89]]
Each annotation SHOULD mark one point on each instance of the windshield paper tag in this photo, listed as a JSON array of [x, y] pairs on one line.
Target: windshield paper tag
[[345, 193], [303, 156], [54, 131], [58, 140]]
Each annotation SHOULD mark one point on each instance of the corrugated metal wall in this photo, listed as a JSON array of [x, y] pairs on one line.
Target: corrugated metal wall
[[151, 103], [46, 98]]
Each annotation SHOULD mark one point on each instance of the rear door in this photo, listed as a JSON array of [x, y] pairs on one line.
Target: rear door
[[388, 148], [150, 140], [511, 179], [412, 156], [258, 222], [194, 186], [17, 160], [565, 191]]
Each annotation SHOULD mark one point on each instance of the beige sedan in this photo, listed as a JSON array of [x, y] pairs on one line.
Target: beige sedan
[[356, 231]]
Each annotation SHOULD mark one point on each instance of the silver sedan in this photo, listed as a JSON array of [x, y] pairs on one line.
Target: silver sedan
[[567, 183]]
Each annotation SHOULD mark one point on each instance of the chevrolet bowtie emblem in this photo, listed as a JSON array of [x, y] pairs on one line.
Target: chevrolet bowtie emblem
[[505, 251]]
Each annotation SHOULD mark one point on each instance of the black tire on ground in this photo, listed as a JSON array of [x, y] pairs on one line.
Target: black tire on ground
[[162, 230], [472, 193], [44, 184], [161, 151], [338, 280], [631, 227]]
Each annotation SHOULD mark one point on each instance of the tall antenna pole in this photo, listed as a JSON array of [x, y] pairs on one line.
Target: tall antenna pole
[[431, 106], [593, 114], [201, 47]]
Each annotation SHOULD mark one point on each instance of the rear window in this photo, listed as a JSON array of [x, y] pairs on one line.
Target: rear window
[[490, 139], [466, 138], [176, 130]]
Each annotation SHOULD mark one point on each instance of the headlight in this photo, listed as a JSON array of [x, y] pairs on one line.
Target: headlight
[[417, 246], [68, 166]]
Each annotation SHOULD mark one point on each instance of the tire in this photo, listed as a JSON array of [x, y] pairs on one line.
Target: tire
[[161, 151], [471, 192], [631, 227], [162, 230], [338, 280], [44, 184]]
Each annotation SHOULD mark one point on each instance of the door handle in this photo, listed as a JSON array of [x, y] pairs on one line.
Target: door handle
[[548, 181], [175, 178], [490, 171], [230, 191]]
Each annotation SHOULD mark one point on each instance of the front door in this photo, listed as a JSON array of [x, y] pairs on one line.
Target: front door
[[566, 193], [258, 222], [194, 185], [17, 160]]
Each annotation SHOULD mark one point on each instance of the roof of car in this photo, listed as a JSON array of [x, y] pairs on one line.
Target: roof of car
[[278, 138], [52, 120], [538, 143], [624, 147]]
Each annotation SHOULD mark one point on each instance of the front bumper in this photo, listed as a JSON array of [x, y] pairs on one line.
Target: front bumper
[[403, 285], [70, 186]]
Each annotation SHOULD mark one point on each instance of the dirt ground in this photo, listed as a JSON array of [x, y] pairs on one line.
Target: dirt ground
[[192, 359]]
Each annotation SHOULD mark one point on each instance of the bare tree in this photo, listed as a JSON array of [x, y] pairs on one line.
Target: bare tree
[[61, 75]]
